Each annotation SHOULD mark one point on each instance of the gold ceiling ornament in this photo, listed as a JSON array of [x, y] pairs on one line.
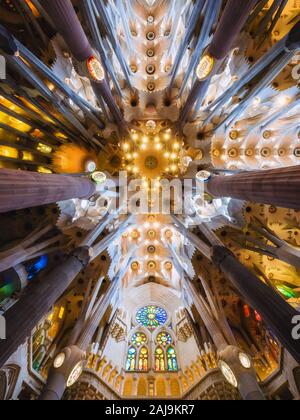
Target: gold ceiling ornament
[[205, 67], [168, 266], [151, 218], [151, 249], [151, 162], [95, 69], [135, 234], [151, 156], [135, 266], [151, 234], [168, 234], [151, 265]]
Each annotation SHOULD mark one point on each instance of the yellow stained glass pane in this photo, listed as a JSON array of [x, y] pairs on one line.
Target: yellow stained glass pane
[[61, 313], [27, 156], [9, 152], [44, 148], [5, 102], [32, 7], [160, 365], [43, 170], [60, 136], [143, 359], [14, 122], [35, 109]]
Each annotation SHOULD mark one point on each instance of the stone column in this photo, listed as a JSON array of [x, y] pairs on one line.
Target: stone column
[[58, 377], [69, 366], [275, 311], [37, 300], [234, 361], [68, 25], [24, 189], [209, 322], [229, 27], [231, 24], [245, 377], [278, 187]]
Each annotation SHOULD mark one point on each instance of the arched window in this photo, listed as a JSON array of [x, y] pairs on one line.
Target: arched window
[[165, 353], [131, 359], [160, 365], [144, 354], [138, 353]]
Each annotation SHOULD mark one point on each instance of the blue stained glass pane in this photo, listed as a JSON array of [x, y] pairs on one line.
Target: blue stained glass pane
[[39, 265], [131, 359], [172, 360]]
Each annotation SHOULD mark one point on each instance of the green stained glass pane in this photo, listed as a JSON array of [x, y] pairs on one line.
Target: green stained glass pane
[[172, 360], [287, 291], [6, 291]]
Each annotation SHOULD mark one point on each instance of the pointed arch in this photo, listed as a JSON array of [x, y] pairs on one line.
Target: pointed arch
[[165, 351], [142, 388], [175, 388], [160, 387], [8, 379], [128, 387]]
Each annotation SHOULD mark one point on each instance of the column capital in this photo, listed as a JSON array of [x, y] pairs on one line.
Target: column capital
[[83, 255], [219, 254], [237, 367], [65, 372]]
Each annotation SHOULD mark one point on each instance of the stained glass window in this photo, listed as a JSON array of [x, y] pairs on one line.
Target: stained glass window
[[160, 365], [143, 359], [39, 265], [172, 359], [131, 358], [151, 317], [139, 339], [164, 339]]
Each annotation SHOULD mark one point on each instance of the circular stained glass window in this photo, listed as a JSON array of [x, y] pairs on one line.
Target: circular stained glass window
[[139, 339], [164, 339], [151, 317]]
